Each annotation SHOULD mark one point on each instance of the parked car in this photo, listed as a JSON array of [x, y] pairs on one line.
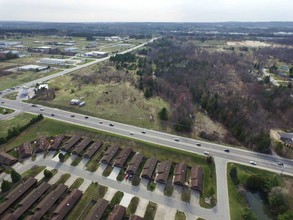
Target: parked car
[[252, 162], [126, 176], [130, 177]]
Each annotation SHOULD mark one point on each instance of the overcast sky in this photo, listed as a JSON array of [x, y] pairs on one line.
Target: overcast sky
[[146, 10]]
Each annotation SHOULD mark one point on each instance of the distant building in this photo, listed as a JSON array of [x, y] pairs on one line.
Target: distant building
[[32, 68], [97, 54], [113, 38], [71, 49], [51, 61]]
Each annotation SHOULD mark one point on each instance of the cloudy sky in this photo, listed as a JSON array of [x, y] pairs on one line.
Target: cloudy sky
[[146, 10]]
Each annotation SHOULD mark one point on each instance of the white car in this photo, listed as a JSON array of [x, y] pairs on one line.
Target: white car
[[252, 162], [206, 152], [42, 109]]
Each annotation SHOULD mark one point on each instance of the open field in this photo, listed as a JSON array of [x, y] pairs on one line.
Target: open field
[[18, 120], [116, 101], [248, 43], [20, 77]]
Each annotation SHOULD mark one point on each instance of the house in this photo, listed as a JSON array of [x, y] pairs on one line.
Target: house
[[98, 210], [287, 138], [163, 171], [17, 193], [47, 203], [134, 164], [66, 205], [52, 61], [70, 143], [196, 178], [56, 142], [41, 144], [81, 146], [25, 150], [149, 168], [122, 157], [28, 201], [180, 174], [109, 154], [93, 149], [117, 213], [7, 159]]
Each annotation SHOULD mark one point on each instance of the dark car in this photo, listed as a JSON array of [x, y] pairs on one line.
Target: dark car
[[72, 116], [111, 125], [197, 144], [227, 150], [86, 117], [52, 114], [143, 132]]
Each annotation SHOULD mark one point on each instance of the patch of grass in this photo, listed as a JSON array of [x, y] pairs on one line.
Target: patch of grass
[[76, 161], [151, 185], [180, 215], [135, 180], [19, 120], [107, 171], [185, 194], [132, 206], [11, 96], [168, 190], [63, 179], [150, 211], [5, 111], [77, 183], [34, 171], [82, 208], [121, 175], [116, 198]]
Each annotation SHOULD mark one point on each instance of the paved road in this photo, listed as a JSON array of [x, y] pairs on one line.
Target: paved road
[[141, 192]]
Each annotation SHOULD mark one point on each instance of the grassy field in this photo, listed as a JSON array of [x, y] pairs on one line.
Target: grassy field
[[20, 77], [77, 183], [18, 120], [120, 102], [6, 110], [150, 211], [11, 96], [237, 202], [180, 215], [132, 206], [34, 171]]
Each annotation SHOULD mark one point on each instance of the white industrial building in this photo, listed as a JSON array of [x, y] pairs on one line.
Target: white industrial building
[[96, 54], [52, 61], [32, 68]]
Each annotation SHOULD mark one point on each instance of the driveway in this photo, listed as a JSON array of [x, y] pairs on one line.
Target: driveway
[[177, 192], [110, 193], [194, 197], [165, 213], [82, 163], [71, 180], [142, 204], [126, 199], [56, 177], [114, 173], [86, 183], [101, 169], [70, 159]]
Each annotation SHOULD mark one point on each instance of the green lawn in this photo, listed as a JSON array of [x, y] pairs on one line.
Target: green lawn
[[180, 215], [11, 96], [150, 211], [18, 120], [116, 198], [63, 179], [34, 171], [132, 206], [5, 111], [77, 183]]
